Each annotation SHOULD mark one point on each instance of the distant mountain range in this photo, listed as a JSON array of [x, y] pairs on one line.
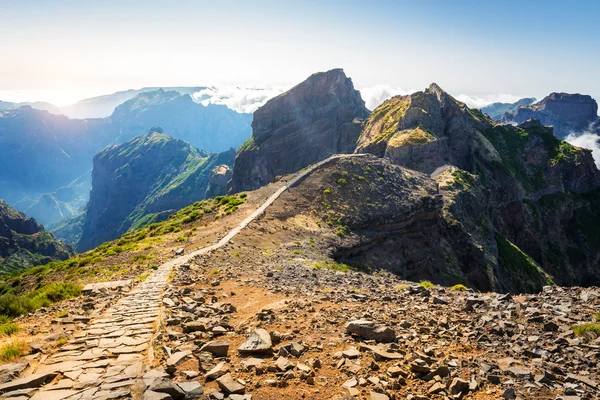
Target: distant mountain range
[[44, 158], [496, 111]]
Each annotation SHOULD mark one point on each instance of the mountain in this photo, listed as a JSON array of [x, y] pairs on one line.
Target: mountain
[[42, 152], [103, 106], [38, 105], [319, 117], [25, 243], [145, 180], [566, 113], [45, 159], [517, 202], [211, 127], [496, 111]]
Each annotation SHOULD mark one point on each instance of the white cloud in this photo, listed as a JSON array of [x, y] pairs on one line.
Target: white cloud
[[587, 140], [486, 100], [237, 98], [375, 95]]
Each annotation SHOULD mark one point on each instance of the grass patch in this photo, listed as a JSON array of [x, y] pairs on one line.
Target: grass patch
[[341, 267], [459, 288], [579, 330], [13, 350], [9, 328], [14, 305], [426, 285]]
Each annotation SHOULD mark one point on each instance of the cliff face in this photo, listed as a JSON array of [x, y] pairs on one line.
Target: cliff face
[[566, 113], [25, 243], [311, 121], [517, 200], [145, 180]]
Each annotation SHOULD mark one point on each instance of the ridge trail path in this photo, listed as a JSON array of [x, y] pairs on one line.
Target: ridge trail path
[[109, 358]]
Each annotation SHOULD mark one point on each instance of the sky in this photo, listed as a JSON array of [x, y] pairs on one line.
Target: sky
[[481, 50]]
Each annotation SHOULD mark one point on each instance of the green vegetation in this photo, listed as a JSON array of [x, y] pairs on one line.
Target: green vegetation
[[326, 191], [581, 329], [459, 288], [248, 145], [333, 266], [525, 273], [13, 350], [385, 118], [413, 137], [426, 285], [512, 145], [463, 179], [341, 181], [8, 328], [12, 305]]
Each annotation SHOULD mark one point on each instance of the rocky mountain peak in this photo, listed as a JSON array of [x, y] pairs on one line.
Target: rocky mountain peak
[[565, 112], [309, 122], [423, 131]]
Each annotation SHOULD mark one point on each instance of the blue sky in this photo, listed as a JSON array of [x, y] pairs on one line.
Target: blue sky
[[479, 48]]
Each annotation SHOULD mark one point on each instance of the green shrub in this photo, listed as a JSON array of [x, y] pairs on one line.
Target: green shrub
[[341, 181], [9, 328], [326, 191], [426, 285], [459, 288]]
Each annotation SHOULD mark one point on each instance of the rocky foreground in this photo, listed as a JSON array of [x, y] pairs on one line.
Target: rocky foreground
[[262, 332], [300, 333]]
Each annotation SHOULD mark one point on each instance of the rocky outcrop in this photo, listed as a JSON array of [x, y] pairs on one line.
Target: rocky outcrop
[[566, 113], [25, 243], [423, 131], [317, 118], [145, 180], [517, 200], [218, 181]]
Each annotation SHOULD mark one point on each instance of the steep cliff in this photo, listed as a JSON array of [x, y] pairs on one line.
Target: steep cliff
[[317, 118], [145, 180], [25, 243], [517, 200], [566, 113]]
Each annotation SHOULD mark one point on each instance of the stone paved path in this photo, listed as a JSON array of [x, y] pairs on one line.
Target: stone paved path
[[110, 358]]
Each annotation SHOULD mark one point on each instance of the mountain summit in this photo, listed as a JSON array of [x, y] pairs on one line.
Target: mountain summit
[[309, 122]]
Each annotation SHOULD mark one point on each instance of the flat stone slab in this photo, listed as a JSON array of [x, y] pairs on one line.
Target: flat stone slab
[[92, 287], [32, 381]]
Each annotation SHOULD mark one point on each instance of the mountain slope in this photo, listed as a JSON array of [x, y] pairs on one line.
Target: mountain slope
[[311, 121], [497, 110], [514, 197], [41, 152], [25, 243], [145, 180]]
